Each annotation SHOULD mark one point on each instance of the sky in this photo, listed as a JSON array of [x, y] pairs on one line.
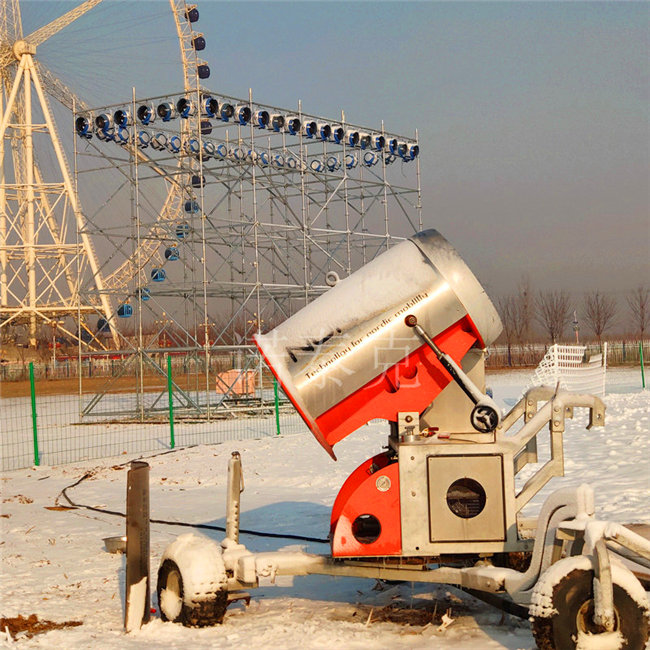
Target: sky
[[532, 117]]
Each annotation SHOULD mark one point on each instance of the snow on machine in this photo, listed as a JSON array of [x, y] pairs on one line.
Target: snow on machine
[[404, 339]]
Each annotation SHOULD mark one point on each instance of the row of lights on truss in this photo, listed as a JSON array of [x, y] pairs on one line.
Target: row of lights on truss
[[115, 128]]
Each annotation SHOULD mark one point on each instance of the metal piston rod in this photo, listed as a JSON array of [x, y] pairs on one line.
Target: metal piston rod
[[485, 416]]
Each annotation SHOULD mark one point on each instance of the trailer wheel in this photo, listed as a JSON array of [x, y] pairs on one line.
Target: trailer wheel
[[178, 607], [192, 582], [572, 602]]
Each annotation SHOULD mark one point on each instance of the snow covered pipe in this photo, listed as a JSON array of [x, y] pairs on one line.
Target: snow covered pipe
[[349, 357]]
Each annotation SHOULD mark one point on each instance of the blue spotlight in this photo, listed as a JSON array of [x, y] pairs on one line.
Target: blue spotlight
[[159, 141], [83, 128], [309, 129], [209, 107], [378, 142], [193, 147], [166, 111], [185, 107], [370, 158], [338, 134], [243, 114], [277, 122], [106, 136], [333, 163], [352, 138], [146, 113], [122, 117], [227, 111], [209, 150], [123, 136], [364, 141], [261, 119], [174, 144], [104, 122], [144, 138], [293, 125], [324, 131]]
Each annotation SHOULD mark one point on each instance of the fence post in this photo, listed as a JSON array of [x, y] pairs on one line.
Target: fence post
[[641, 359], [170, 394], [277, 405], [34, 427]]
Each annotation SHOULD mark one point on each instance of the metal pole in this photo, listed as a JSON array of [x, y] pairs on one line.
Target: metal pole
[[235, 488], [34, 427], [136, 610], [170, 393], [641, 359], [30, 215], [277, 405], [135, 208]]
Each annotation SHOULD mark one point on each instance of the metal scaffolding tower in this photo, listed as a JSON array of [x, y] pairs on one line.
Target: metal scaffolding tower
[[257, 210]]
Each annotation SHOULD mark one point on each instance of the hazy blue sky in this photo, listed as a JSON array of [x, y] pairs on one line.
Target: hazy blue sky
[[532, 117]]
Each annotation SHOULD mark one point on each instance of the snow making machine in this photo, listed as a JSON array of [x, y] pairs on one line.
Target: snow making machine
[[404, 339]]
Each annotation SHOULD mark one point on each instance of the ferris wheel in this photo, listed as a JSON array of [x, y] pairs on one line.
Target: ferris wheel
[[46, 254]]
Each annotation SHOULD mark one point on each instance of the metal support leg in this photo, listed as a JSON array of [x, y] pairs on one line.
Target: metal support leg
[[235, 488], [603, 588]]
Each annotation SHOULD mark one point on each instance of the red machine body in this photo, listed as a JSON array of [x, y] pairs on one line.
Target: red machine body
[[348, 358]]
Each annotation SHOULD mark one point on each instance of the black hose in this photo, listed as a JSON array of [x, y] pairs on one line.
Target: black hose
[[255, 533]]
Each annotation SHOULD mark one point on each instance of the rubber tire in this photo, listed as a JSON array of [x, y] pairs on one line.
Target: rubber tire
[[559, 632], [199, 613]]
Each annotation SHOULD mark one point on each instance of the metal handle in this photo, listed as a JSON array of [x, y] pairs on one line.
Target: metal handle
[[485, 416]]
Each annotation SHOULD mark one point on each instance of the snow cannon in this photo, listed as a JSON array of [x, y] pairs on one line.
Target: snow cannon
[[388, 340]]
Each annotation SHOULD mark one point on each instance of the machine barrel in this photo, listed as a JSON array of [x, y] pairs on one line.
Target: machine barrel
[[348, 357]]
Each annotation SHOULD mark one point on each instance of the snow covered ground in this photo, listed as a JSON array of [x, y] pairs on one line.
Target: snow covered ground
[[53, 562]]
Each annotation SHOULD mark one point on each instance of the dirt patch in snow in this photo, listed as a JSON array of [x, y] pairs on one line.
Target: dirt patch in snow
[[31, 625], [418, 615]]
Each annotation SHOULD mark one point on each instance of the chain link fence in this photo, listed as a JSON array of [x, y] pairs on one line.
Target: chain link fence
[[78, 409], [44, 417]]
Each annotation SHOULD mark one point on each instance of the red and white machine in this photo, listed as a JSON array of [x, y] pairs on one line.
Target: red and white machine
[[386, 341], [404, 339]]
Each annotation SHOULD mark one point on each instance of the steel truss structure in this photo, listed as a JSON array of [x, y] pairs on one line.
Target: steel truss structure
[[42, 256], [219, 217]]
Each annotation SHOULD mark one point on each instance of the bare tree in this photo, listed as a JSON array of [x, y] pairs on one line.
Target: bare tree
[[524, 312], [507, 307], [639, 303], [599, 312], [553, 312]]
